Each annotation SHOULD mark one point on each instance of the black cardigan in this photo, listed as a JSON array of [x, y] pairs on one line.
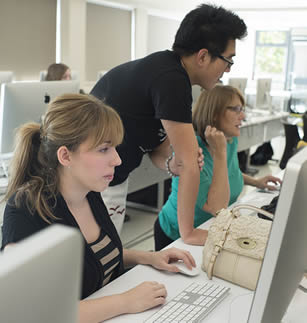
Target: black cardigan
[[19, 223]]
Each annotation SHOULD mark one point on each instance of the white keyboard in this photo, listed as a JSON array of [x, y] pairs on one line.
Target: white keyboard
[[192, 304]]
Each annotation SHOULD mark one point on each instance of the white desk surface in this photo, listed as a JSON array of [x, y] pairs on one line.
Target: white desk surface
[[260, 128], [266, 117], [233, 309]]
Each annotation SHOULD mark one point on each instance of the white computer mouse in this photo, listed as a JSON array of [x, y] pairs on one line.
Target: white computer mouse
[[185, 270]]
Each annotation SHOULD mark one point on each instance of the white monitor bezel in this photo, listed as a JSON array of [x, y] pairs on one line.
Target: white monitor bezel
[[263, 96], [284, 264], [239, 83], [23, 102], [40, 277]]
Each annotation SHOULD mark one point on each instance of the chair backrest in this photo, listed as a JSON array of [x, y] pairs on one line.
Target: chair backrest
[[100, 74]]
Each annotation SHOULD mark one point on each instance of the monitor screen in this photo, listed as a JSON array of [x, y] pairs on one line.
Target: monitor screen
[[263, 97], [27, 101], [239, 83], [40, 277], [285, 259]]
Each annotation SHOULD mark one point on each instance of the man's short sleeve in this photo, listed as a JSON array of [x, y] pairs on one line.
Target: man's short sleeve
[[172, 97]]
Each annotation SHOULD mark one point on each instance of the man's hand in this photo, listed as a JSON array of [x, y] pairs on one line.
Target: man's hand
[[175, 166]]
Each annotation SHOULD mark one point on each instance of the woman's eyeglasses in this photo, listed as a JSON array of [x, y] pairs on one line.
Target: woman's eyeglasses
[[238, 109]]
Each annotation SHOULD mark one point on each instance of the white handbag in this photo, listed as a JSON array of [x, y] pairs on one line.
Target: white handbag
[[235, 246]]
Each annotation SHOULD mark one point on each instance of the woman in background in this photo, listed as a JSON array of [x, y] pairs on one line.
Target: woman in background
[[58, 72], [217, 118], [58, 171]]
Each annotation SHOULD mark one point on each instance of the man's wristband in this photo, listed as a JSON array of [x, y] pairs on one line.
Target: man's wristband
[[168, 159]]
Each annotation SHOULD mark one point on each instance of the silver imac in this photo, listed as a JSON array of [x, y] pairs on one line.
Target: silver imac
[[27, 101], [285, 259], [263, 96], [239, 83], [40, 277]]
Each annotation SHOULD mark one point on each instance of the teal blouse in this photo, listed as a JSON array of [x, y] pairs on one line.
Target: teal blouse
[[168, 215]]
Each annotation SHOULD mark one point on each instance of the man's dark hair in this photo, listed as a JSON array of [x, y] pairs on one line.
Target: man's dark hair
[[210, 27]]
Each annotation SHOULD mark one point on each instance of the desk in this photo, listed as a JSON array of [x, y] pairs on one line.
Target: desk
[[259, 129], [233, 309], [174, 284]]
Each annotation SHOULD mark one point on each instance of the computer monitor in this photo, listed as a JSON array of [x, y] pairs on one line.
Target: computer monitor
[[263, 96], [27, 101], [6, 76], [285, 259], [239, 83], [40, 277]]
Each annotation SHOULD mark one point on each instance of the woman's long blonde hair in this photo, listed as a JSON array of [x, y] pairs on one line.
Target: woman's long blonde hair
[[211, 105], [69, 121]]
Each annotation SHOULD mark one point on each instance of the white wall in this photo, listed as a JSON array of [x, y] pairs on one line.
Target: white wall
[[161, 33], [151, 30], [108, 38], [27, 36], [72, 34]]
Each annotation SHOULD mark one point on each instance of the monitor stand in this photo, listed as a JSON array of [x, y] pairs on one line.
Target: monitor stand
[[244, 162]]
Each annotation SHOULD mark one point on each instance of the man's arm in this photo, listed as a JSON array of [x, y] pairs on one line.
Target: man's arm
[[184, 143], [161, 153]]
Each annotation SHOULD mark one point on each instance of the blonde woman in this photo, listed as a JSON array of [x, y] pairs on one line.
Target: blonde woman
[[217, 119], [58, 170]]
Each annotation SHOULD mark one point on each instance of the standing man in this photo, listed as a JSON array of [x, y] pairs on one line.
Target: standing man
[[153, 96]]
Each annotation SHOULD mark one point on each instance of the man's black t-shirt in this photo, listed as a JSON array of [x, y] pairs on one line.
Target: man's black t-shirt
[[143, 92]]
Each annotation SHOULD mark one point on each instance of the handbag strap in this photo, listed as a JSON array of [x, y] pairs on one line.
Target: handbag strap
[[253, 208], [218, 246]]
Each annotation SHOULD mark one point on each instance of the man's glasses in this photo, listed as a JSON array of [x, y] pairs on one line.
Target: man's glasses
[[238, 109], [227, 60]]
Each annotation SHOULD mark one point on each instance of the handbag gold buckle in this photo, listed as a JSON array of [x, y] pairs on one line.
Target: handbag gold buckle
[[246, 243]]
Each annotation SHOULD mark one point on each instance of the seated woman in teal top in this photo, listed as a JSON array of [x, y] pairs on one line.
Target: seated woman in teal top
[[217, 118]]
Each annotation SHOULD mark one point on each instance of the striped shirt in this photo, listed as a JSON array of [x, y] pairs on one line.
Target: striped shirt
[[107, 253]]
